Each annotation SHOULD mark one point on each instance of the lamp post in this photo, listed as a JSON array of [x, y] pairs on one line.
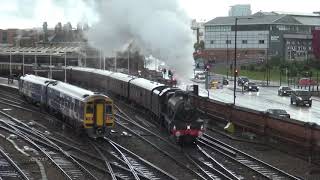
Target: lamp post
[[235, 58], [227, 57]]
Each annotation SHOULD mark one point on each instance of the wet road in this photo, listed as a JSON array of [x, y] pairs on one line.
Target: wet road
[[266, 98]]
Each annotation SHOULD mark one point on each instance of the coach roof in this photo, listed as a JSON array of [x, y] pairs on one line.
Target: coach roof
[[146, 84], [36, 79], [71, 90]]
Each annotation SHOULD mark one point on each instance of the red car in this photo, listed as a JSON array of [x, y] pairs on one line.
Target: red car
[[307, 82]]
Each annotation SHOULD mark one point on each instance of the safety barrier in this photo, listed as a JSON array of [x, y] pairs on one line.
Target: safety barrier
[[303, 134]]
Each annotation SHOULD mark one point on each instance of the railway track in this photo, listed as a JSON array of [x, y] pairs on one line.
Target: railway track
[[237, 158], [239, 164], [123, 170], [210, 168], [158, 142], [117, 167], [9, 169], [65, 164]]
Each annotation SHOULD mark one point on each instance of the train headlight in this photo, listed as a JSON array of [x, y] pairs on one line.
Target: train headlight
[[188, 127], [202, 127], [99, 131], [174, 128], [178, 134]]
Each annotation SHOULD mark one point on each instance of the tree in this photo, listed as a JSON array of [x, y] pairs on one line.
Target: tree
[[196, 46], [58, 28], [201, 45]]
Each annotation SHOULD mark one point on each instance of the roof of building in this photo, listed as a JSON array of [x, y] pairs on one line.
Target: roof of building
[[266, 19], [269, 18], [55, 51]]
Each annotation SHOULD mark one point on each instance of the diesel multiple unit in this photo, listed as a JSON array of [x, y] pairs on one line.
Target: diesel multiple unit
[[80, 108]]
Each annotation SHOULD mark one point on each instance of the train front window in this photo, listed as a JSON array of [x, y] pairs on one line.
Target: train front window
[[108, 109], [89, 108]]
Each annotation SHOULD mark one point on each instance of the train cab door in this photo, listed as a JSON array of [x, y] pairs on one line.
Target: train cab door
[[99, 113], [109, 114], [89, 113]]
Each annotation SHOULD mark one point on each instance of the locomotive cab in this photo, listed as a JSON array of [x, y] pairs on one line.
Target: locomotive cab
[[183, 117]]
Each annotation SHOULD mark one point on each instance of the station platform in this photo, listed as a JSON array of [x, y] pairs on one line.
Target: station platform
[[4, 82]]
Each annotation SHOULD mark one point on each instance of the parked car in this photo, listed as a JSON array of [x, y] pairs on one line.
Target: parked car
[[301, 97], [278, 112], [284, 91], [242, 81], [200, 76], [225, 81], [250, 86], [307, 82]]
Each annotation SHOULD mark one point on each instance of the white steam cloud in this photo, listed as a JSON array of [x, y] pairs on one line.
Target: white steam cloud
[[160, 28]]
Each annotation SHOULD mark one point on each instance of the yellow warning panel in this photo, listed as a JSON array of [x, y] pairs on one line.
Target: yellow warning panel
[[99, 114]]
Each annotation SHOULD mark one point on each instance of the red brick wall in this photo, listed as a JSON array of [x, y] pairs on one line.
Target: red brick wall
[[220, 55]]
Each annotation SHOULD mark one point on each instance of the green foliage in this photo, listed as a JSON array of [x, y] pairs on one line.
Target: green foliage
[[251, 67], [242, 67], [275, 61], [201, 45], [196, 46]]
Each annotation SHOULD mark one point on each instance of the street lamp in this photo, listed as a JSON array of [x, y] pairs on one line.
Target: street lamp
[[235, 56]]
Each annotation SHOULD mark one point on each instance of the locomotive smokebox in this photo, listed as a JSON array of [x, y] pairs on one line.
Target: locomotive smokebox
[[196, 90]]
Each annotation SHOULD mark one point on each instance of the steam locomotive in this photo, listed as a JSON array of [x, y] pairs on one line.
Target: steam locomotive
[[172, 107], [80, 108]]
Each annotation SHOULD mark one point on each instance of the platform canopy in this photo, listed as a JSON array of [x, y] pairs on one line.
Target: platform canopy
[[46, 51]]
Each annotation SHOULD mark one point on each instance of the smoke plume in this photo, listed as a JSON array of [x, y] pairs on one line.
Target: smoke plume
[[160, 28]]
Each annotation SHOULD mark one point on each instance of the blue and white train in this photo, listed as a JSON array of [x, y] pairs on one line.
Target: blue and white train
[[80, 108]]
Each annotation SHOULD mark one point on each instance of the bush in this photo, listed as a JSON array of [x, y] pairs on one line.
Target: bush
[[251, 67], [275, 61]]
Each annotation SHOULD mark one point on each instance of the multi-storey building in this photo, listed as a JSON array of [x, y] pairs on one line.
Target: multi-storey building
[[261, 36], [7, 37], [240, 10]]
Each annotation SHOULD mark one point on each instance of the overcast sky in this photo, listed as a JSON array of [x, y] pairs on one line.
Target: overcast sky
[[31, 13]]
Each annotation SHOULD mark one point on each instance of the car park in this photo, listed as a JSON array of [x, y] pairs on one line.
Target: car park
[[284, 91], [242, 80], [278, 112], [301, 97], [250, 86]]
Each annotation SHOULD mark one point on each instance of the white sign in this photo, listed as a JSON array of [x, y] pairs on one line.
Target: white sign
[[275, 38]]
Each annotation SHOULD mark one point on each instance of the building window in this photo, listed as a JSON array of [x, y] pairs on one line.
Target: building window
[[212, 42], [4, 37], [244, 41], [228, 41], [261, 41]]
